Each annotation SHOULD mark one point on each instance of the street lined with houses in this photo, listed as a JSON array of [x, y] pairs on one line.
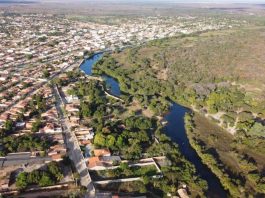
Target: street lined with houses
[[72, 145]]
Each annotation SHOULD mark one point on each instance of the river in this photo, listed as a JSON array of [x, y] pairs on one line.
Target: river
[[175, 129], [111, 83]]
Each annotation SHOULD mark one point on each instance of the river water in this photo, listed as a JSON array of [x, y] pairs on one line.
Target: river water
[[175, 129], [111, 83]]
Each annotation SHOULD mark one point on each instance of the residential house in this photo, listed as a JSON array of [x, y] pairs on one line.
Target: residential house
[[84, 134], [101, 163], [4, 116], [57, 152], [102, 152]]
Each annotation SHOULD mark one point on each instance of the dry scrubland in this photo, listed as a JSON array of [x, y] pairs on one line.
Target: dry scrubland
[[235, 55]]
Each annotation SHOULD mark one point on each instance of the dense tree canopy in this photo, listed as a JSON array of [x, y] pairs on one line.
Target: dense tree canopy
[[42, 178]]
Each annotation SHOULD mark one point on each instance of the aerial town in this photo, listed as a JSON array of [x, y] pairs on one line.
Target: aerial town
[[48, 140]]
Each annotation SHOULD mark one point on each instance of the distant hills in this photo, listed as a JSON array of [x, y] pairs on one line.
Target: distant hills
[[16, 2]]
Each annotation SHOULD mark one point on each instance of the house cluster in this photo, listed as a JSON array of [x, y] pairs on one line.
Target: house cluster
[[102, 159], [23, 119], [97, 159], [83, 133], [43, 45], [14, 89], [39, 38], [133, 31], [48, 43]]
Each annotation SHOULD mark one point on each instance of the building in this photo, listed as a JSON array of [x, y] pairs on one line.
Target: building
[[102, 152], [102, 163]]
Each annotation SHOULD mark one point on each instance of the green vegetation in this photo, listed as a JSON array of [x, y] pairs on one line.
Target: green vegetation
[[37, 105], [135, 186], [42, 39], [92, 98], [42, 178], [257, 130], [158, 70], [36, 125], [178, 172], [131, 135], [147, 93], [225, 99], [46, 73], [210, 73], [24, 143], [131, 142], [29, 56], [232, 160], [125, 171], [8, 126]]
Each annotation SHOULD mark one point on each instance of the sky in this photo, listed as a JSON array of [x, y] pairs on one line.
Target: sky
[[200, 1], [160, 1], [182, 1], [175, 1]]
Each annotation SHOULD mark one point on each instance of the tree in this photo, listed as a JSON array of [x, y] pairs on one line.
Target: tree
[[33, 177], [25, 143], [85, 109], [8, 125], [142, 136], [2, 133], [120, 142], [20, 117], [133, 151], [46, 73], [71, 92], [29, 56], [99, 139], [202, 183], [45, 180], [21, 181], [146, 179], [110, 141], [138, 122], [124, 166], [42, 39], [55, 171], [257, 130], [36, 126]]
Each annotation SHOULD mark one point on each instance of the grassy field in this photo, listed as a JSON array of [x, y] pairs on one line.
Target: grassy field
[[118, 173]]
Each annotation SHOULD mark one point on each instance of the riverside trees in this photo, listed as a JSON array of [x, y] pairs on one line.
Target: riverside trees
[[131, 136], [213, 82]]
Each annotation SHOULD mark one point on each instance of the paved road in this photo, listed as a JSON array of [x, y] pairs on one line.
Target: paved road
[[73, 147]]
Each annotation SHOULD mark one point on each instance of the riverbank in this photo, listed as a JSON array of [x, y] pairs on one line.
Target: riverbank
[[207, 158], [190, 77], [186, 174], [174, 129], [217, 150]]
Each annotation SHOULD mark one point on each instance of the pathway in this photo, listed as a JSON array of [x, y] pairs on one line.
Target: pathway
[[73, 147]]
